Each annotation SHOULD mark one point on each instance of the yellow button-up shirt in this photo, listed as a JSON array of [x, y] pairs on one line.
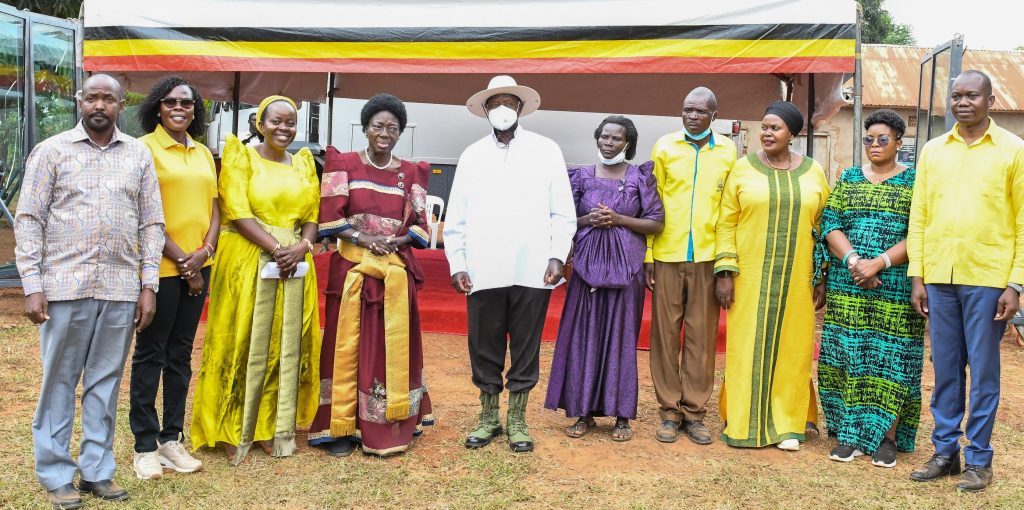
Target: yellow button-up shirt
[[967, 216], [690, 183]]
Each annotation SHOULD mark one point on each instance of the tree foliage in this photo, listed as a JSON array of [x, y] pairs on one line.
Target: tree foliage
[[878, 27], [55, 8]]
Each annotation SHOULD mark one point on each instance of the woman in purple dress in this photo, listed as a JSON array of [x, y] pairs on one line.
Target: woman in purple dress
[[594, 369]]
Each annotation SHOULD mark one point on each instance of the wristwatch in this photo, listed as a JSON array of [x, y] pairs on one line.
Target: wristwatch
[[354, 239], [155, 287], [1016, 286]]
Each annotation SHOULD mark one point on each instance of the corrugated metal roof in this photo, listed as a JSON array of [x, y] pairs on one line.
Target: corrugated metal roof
[[891, 75]]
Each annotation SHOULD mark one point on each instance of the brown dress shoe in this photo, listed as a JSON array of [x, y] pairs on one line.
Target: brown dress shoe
[[697, 432], [667, 432], [65, 497], [106, 490], [975, 478], [937, 466]]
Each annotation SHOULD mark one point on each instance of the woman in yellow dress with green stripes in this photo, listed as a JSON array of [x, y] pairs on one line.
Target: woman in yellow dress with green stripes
[[260, 375], [770, 282]]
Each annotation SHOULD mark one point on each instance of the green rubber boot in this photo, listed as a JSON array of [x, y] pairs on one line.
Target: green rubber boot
[[489, 426], [519, 439]]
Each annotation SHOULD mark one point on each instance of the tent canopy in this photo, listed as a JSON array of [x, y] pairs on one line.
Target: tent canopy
[[647, 53]]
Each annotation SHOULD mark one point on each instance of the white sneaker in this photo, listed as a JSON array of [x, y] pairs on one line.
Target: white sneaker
[[790, 445], [147, 466], [174, 456]]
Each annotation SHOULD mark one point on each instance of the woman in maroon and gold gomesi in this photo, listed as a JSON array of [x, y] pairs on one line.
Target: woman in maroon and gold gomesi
[[371, 370]]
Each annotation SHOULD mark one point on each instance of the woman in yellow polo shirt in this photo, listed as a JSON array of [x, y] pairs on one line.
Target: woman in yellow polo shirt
[[173, 114]]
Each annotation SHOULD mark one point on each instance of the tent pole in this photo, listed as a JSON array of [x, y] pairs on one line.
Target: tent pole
[[858, 107], [235, 103], [330, 108], [810, 115]]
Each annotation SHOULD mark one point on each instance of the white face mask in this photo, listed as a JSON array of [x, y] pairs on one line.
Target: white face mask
[[502, 117], [615, 160]]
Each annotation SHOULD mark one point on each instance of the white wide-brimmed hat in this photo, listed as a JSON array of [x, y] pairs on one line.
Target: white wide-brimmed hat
[[503, 84]]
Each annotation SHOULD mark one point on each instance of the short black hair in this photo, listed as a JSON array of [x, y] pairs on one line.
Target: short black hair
[[986, 82], [631, 133], [889, 118], [384, 102], [149, 110]]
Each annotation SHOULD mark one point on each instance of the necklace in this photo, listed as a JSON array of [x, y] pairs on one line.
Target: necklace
[[391, 159], [788, 161]]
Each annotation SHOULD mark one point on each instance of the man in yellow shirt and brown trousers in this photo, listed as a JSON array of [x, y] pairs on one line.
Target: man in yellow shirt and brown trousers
[[966, 249], [691, 167]]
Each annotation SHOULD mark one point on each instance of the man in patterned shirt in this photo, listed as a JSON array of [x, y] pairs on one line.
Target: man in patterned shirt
[[90, 231]]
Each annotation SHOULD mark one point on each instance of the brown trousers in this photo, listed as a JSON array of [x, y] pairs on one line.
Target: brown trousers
[[684, 292]]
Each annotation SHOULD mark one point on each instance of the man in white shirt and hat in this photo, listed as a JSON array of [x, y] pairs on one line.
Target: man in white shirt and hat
[[508, 231]]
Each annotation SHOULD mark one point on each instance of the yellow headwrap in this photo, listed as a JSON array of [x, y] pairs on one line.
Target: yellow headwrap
[[263, 107]]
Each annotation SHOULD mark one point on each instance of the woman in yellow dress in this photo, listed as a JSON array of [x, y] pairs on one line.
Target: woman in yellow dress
[[770, 282], [260, 370]]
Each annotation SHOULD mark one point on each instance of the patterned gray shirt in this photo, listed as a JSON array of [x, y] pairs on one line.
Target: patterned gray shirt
[[90, 221]]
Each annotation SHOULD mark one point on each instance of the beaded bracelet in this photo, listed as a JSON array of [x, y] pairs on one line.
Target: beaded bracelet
[[888, 261]]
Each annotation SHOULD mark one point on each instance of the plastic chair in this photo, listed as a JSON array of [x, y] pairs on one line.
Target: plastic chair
[[434, 224]]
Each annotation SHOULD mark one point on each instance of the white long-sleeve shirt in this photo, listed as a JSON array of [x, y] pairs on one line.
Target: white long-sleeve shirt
[[509, 212]]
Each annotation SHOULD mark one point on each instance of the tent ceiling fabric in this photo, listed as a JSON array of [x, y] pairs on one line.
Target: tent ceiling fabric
[[582, 55], [455, 36]]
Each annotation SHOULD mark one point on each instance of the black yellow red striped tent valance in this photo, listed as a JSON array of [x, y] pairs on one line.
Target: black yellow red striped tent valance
[[453, 36]]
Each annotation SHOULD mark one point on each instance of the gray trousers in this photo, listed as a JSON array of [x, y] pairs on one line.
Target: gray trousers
[[87, 340]]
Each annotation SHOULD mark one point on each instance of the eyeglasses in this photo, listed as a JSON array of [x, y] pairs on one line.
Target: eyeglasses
[[883, 140], [171, 102], [392, 129]]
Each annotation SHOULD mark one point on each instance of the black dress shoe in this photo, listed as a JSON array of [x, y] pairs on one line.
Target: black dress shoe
[[937, 466], [106, 490], [975, 478], [64, 497], [474, 442], [339, 447]]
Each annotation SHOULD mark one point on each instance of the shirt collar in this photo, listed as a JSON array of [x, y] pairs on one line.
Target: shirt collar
[[681, 137], [494, 137], [79, 134], [165, 140], [991, 134]]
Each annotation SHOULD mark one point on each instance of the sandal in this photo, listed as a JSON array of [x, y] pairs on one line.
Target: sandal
[[622, 432], [581, 427]]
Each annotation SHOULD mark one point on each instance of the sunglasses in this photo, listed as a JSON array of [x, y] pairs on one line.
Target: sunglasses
[[882, 140], [184, 103]]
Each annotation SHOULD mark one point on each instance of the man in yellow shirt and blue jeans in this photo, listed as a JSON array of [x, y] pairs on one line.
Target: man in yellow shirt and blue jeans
[[691, 166], [966, 249]]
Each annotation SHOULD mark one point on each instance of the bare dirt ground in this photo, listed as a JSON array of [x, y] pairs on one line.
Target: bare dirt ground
[[591, 472]]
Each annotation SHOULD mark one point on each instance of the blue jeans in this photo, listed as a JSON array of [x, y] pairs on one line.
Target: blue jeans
[[963, 335]]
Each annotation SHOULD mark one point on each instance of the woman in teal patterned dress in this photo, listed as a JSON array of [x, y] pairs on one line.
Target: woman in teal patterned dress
[[872, 342]]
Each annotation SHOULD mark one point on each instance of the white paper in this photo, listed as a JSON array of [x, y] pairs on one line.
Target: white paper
[[270, 271]]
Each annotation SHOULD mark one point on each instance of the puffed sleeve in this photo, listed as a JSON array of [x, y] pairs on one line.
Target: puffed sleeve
[[727, 258], [235, 172], [576, 184], [303, 160], [419, 226], [651, 207], [334, 195]]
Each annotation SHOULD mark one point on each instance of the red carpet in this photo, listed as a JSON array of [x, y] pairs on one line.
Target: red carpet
[[442, 310]]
